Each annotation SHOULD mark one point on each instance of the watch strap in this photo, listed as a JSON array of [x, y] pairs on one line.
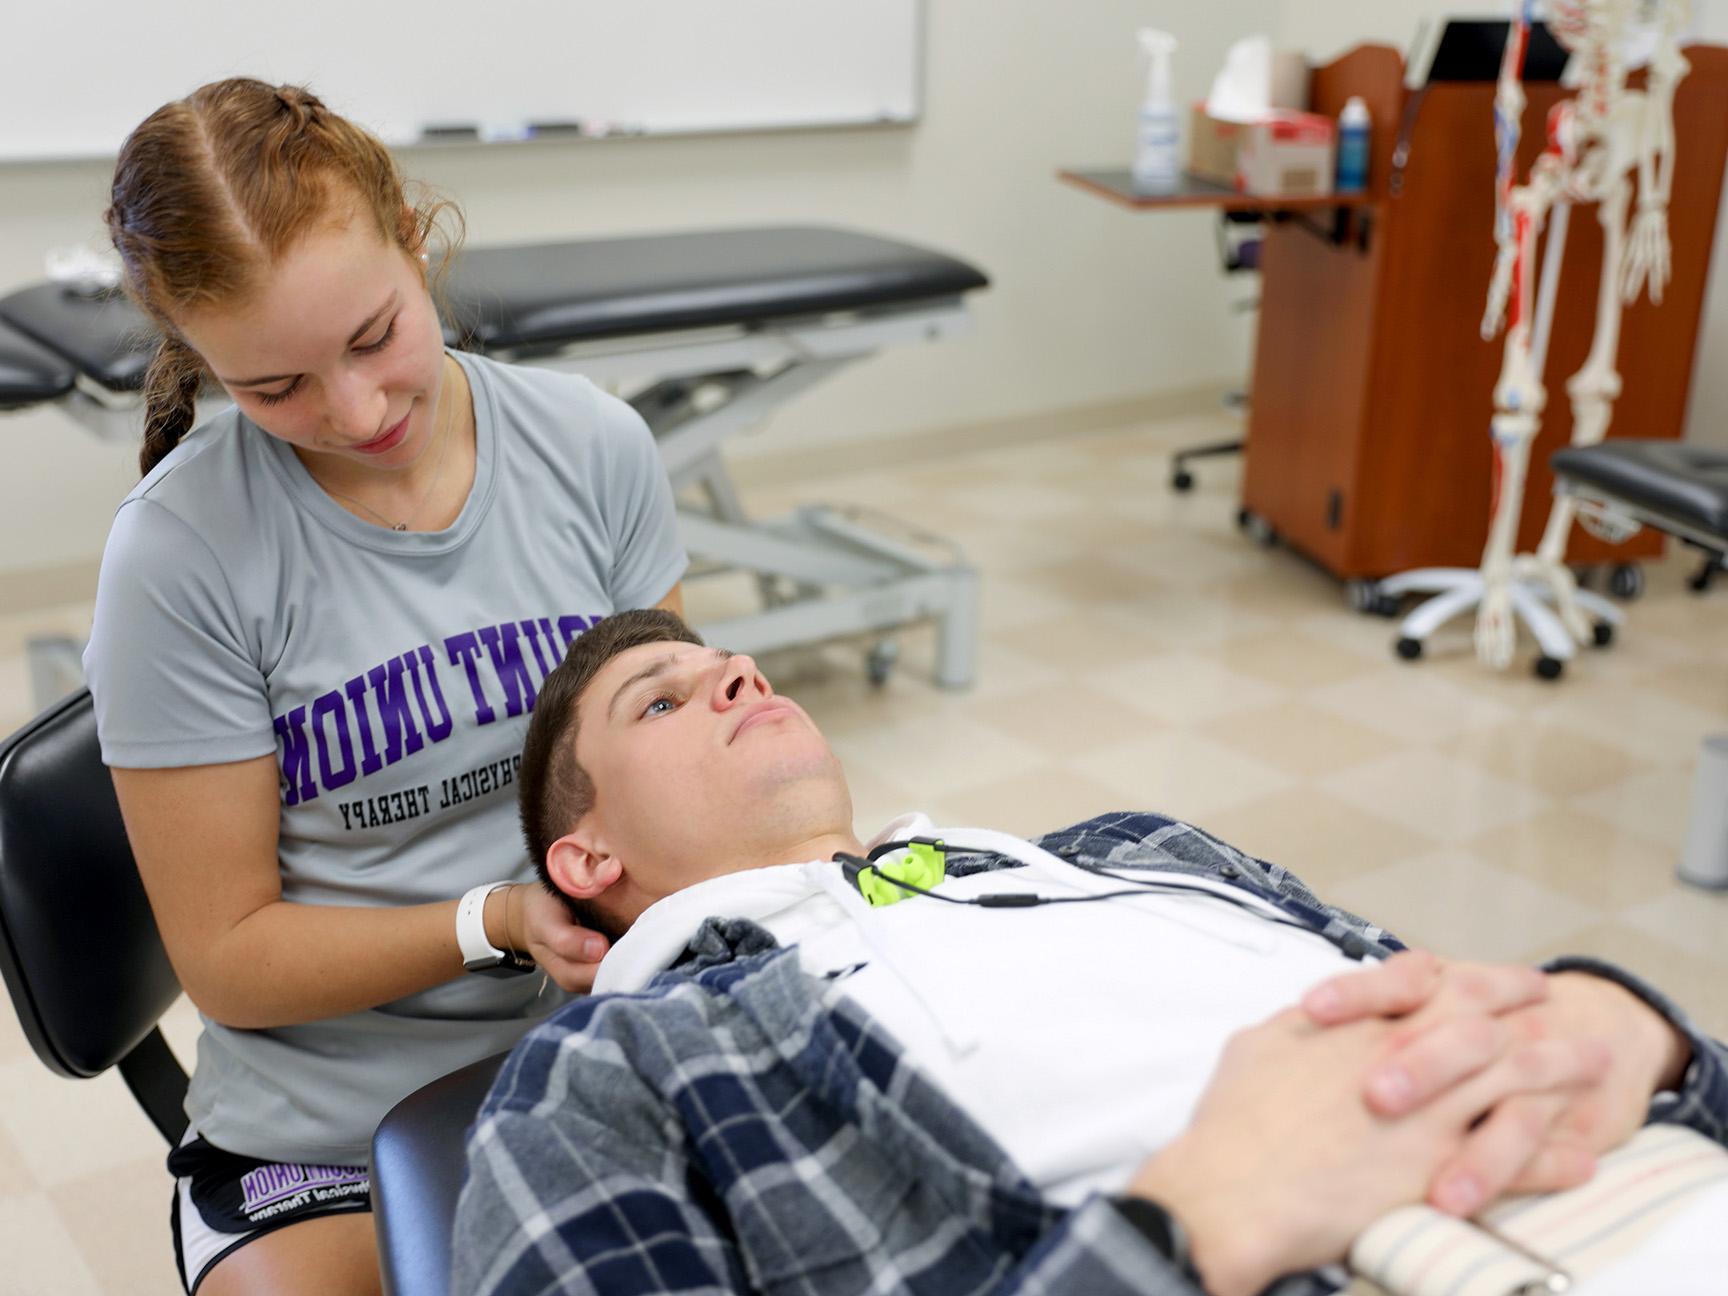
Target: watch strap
[[478, 952], [1159, 1227]]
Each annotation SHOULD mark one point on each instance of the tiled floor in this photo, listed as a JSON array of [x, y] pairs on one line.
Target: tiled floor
[[1136, 652]]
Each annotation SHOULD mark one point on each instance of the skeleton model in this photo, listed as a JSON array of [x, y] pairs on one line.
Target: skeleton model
[[1596, 141]]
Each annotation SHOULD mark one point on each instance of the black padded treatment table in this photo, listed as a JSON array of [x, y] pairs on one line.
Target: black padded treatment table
[[1682, 490], [706, 334], [30, 373]]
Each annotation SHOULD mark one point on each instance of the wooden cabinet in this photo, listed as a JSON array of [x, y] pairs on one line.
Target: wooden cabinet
[[1368, 445]]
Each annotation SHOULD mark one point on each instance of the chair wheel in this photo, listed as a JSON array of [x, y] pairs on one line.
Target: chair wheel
[[1409, 649], [1181, 480], [1602, 633], [879, 661], [1626, 581], [1243, 517], [1549, 668]]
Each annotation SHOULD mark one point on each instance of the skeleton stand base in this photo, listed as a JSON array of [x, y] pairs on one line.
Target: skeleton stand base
[[1458, 592]]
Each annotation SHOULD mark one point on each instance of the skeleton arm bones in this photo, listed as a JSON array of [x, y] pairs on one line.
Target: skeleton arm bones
[[1647, 253]]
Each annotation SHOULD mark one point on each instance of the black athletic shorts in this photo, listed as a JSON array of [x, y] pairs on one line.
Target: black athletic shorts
[[223, 1200]]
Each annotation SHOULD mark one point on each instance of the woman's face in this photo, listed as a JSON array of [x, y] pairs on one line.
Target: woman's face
[[338, 352]]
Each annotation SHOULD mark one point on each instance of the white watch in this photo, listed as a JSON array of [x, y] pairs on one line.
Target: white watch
[[479, 954]]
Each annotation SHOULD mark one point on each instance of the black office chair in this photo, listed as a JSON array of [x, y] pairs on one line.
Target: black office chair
[[417, 1159], [89, 978], [78, 944], [1239, 245]]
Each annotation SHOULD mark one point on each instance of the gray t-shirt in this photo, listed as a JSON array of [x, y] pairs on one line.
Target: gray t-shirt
[[242, 611]]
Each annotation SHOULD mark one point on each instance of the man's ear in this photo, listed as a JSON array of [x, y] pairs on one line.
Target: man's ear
[[580, 866]]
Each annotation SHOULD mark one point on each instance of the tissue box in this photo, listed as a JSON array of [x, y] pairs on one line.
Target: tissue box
[[1286, 155], [1212, 146]]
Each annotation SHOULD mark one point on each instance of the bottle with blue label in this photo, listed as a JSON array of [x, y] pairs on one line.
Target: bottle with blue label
[[1353, 127], [1156, 166]]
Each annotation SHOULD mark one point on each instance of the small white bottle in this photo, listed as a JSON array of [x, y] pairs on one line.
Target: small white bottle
[[1353, 124], [1156, 166]]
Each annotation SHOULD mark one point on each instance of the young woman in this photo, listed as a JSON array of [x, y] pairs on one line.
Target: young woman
[[321, 621]]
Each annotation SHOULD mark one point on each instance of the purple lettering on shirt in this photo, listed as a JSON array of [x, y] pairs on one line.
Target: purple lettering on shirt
[[571, 626], [297, 784], [465, 648], [401, 738], [531, 632], [436, 730], [370, 761], [503, 646], [331, 705]]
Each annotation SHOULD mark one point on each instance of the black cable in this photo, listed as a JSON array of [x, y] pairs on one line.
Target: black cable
[[1351, 944], [1150, 884], [884, 848], [855, 867]]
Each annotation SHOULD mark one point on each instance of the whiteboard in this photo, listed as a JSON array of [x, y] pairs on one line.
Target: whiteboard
[[77, 75]]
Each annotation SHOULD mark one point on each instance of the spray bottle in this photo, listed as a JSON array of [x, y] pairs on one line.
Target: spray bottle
[[1353, 126], [1156, 169]]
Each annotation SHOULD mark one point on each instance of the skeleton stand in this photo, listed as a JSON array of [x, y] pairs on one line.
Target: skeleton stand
[[1524, 582], [1596, 142]]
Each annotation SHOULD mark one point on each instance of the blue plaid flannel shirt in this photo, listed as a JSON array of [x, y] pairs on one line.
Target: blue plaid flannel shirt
[[728, 1130]]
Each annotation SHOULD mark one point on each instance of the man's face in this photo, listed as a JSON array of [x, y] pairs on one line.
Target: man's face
[[700, 768]]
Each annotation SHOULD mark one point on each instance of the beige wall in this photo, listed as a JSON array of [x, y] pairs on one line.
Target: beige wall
[[1090, 303]]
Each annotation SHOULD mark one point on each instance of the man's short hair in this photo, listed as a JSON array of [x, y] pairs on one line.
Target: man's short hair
[[553, 790]]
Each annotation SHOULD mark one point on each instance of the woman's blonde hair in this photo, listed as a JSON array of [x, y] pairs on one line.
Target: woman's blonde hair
[[211, 189]]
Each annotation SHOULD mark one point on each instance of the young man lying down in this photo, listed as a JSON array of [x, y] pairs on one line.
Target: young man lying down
[[1124, 1057]]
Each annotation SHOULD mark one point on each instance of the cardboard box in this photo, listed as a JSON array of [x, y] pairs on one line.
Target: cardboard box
[[1212, 146], [1214, 142], [1286, 155]]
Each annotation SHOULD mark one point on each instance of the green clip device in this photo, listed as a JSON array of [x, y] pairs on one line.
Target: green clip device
[[923, 865]]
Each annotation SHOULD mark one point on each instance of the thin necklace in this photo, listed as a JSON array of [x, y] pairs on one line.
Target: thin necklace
[[437, 475]]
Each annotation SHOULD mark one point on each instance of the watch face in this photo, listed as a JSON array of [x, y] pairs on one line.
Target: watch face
[[509, 964]]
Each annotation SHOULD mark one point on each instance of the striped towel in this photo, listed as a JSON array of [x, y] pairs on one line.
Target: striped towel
[[1554, 1242]]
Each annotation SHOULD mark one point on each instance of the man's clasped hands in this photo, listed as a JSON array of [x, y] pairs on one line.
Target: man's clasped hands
[[1416, 1078]]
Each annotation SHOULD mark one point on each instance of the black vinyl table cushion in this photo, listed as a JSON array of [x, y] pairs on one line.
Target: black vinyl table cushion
[[418, 1158], [551, 294], [105, 336], [1668, 479], [29, 372], [539, 297]]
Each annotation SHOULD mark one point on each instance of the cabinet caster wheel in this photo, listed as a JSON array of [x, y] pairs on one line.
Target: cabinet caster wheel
[[1409, 649], [1259, 530], [1243, 516], [1181, 481], [1549, 668], [1626, 581], [879, 662], [1602, 633], [1365, 597]]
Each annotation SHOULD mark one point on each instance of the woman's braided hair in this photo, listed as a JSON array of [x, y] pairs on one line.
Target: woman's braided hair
[[211, 189]]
